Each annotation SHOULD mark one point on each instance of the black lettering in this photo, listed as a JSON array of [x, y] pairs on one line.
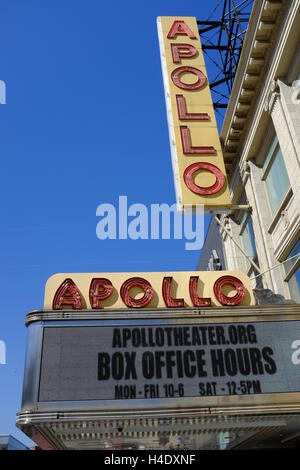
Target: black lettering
[[189, 356], [256, 386], [200, 355], [170, 363], [117, 366], [118, 392], [196, 341], [251, 334], [151, 342], [178, 339], [169, 336], [136, 338], [148, 365], [241, 329], [103, 366], [270, 367], [230, 362], [186, 334], [211, 335], [126, 336], [159, 337], [116, 342], [126, 391], [217, 362], [203, 330], [256, 362], [143, 339], [207, 389], [179, 364], [130, 365], [243, 361], [233, 337], [210, 388], [220, 335], [159, 363]]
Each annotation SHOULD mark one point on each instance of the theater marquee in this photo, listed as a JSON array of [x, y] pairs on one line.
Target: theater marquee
[[174, 360], [132, 360], [105, 378], [197, 159]]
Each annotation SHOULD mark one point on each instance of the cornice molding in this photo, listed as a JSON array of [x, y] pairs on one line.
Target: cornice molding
[[265, 22], [282, 57]]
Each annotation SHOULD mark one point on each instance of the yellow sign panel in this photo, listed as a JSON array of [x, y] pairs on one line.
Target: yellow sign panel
[[81, 291], [197, 159]]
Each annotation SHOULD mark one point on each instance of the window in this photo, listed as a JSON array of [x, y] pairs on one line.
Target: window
[[249, 245], [275, 176], [292, 269], [294, 286], [247, 236], [294, 251]]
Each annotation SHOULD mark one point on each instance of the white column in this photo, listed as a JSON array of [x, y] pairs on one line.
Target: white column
[[286, 120], [290, 105], [261, 220], [235, 259]]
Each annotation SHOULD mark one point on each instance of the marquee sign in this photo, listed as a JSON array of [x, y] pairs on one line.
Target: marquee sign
[[148, 290], [98, 371], [180, 360], [197, 159]]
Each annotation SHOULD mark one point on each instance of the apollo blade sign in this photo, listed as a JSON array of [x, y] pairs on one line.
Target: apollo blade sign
[[197, 159], [171, 290], [168, 360]]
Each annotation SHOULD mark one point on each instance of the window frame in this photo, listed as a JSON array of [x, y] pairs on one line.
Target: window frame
[[243, 224], [265, 172], [290, 273]]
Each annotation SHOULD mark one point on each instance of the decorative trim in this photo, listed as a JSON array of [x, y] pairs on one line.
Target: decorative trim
[[272, 96], [245, 172], [255, 49], [282, 206]]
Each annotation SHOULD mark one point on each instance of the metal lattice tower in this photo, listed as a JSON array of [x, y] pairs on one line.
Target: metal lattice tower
[[222, 42]]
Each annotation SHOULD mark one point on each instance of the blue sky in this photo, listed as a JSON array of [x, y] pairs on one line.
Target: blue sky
[[84, 122]]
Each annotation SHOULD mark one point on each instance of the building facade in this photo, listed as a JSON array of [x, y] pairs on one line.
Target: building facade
[[261, 145], [235, 382]]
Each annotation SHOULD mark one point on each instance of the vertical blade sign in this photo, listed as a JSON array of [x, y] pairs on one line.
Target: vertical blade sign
[[197, 159]]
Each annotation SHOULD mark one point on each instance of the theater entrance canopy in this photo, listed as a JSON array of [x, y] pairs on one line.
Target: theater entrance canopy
[[163, 378]]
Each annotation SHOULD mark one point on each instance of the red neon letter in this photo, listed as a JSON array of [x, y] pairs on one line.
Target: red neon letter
[[136, 282], [182, 51], [187, 144], [180, 28], [232, 281], [67, 294], [100, 289], [192, 169], [196, 300], [184, 115], [166, 292], [176, 78]]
